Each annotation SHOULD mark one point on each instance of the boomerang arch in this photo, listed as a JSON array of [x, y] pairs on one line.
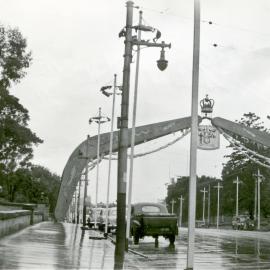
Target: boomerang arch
[[75, 165]]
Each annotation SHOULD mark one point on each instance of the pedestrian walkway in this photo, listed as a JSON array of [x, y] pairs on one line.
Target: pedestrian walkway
[[50, 245]]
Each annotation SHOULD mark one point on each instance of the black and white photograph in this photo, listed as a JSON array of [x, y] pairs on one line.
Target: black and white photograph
[[135, 134]]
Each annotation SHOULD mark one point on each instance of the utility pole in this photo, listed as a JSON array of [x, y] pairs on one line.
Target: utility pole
[[218, 188], [114, 93], [172, 202], [123, 124], [259, 180], [193, 137], [237, 182], [130, 183], [204, 191], [78, 201], [99, 120], [255, 200], [181, 199], [123, 145], [85, 180], [208, 212]]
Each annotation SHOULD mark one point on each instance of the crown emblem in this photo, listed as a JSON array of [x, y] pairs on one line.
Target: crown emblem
[[207, 105]]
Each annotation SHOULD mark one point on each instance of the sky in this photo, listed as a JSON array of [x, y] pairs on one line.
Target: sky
[[76, 50]]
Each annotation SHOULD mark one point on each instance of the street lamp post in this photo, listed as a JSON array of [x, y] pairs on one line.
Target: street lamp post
[[78, 201], [130, 183], [172, 203], [259, 180], [106, 93], [194, 136], [208, 212], [181, 199], [123, 126], [99, 120], [218, 187], [204, 191], [85, 180], [237, 182]]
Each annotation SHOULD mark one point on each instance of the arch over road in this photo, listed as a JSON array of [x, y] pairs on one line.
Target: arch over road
[[75, 165]]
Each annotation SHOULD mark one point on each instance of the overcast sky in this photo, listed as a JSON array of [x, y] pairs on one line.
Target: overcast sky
[[76, 50]]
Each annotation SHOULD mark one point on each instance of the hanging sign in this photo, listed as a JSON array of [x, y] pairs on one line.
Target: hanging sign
[[208, 137]]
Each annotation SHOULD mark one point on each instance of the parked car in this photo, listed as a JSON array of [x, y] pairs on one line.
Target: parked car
[[112, 219], [152, 219], [94, 212], [242, 222]]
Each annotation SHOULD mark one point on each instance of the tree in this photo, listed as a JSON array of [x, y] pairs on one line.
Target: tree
[[181, 187], [239, 165], [16, 139]]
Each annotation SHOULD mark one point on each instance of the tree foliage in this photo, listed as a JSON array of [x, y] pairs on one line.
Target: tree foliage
[[181, 187], [239, 165], [16, 139]]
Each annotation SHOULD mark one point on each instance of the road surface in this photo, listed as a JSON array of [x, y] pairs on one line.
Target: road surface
[[65, 246]]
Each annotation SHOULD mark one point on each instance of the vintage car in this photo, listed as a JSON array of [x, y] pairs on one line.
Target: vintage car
[[152, 219], [94, 213], [242, 222], [101, 219], [112, 219]]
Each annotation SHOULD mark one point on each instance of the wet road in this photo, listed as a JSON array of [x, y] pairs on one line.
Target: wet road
[[65, 246], [213, 250]]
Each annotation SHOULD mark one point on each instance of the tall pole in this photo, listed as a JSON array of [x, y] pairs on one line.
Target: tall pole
[[208, 212], [237, 190], [204, 191], [75, 205], [133, 132], [259, 201], [218, 188], [85, 181], [237, 182], [97, 175], [255, 200], [181, 211], [218, 207], [194, 136], [110, 155], [78, 201], [172, 202], [123, 145]]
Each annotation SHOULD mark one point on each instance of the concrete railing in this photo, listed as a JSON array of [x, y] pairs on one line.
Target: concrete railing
[[12, 219]]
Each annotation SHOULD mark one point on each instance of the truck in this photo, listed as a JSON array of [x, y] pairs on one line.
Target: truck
[[152, 219]]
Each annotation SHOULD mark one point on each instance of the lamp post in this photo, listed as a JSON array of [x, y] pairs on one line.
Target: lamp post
[[133, 132], [107, 94], [218, 187], [259, 180], [172, 203], [208, 212], [78, 201], [237, 182], [181, 199], [204, 191], [123, 125], [194, 136], [86, 178], [99, 120], [255, 200]]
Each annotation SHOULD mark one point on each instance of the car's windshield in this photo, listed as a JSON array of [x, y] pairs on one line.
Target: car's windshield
[[150, 209]]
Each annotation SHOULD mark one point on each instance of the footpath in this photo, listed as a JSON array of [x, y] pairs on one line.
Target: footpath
[[49, 245]]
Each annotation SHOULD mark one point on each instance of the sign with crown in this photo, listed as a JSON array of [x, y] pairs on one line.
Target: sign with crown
[[208, 137], [207, 105]]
